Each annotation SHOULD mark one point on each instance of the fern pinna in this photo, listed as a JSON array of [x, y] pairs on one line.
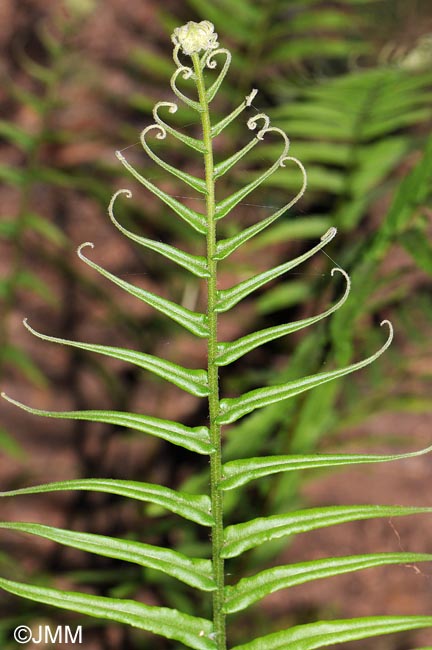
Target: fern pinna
[[199, 42]]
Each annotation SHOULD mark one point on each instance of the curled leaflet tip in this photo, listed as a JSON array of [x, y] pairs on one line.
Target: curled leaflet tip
[[161, 135], [121, 191], [30, 328], [252, 124], [83, 245], [339, 270], [10, 399], [125, 191], [15, 402], [7, 398], [172, 108], [388, 323], [347, 281], [390, 335], [331, 232]]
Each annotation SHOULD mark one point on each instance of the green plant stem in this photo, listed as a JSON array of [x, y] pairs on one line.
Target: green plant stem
[[213, 375]]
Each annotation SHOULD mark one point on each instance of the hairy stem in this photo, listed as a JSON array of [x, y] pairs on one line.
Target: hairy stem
[[213, 376]]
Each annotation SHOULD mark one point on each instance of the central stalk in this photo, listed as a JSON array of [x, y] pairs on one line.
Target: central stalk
[[213, 374]]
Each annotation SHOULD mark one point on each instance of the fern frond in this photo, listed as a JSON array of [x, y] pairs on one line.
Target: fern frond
[[207, 61]]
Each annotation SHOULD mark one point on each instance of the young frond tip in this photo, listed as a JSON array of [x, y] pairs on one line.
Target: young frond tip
[[329, 234], [195, 87], [195, 37], [80, 248], [15, 402]]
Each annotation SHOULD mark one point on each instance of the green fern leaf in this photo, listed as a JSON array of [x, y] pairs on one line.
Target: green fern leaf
[[250, 590], [193, 218], [195, 323], [194, 263], [192, 571], [229, 352], [240, 472], [241, 537], [190, 506], [326, 633], [194, 632], [182, 137], [227, 298], [235, 407], [192, 381], [225, 247], [194, 438], [196, 183]]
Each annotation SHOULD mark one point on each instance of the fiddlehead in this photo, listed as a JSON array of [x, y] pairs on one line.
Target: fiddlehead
[[161, 133], [186, 73], [211, 63], [226, 205], [172, 108]]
